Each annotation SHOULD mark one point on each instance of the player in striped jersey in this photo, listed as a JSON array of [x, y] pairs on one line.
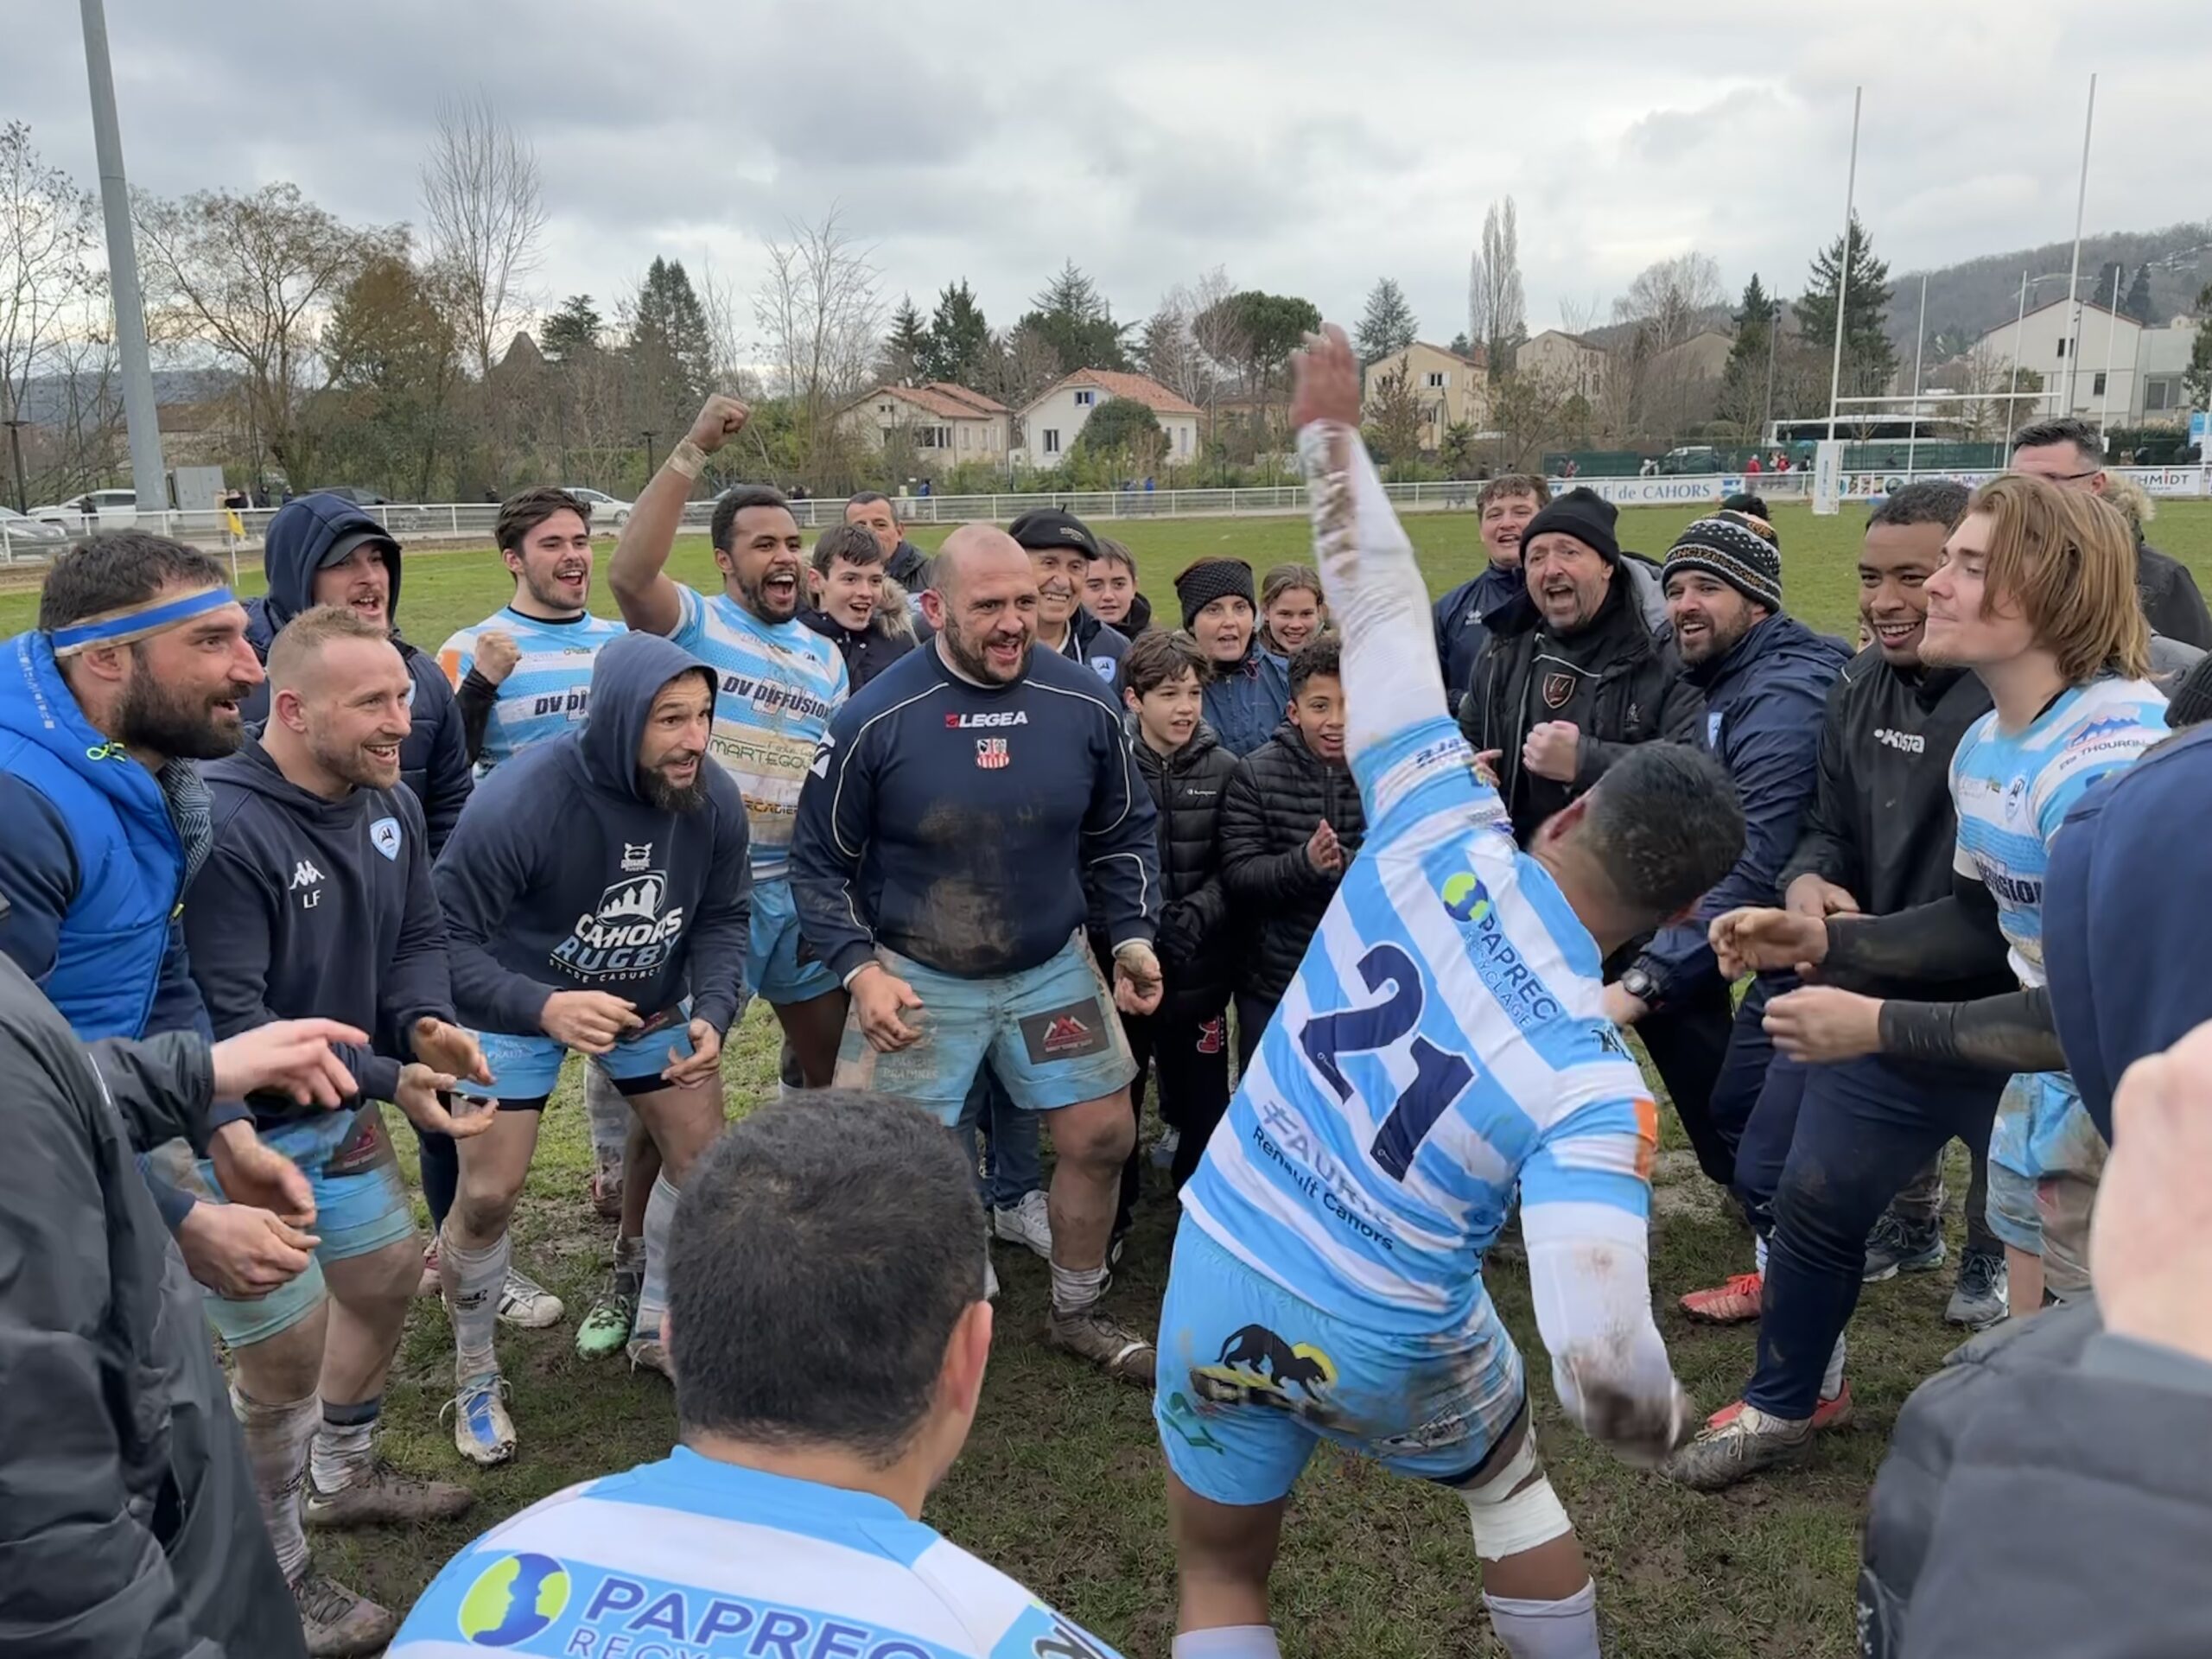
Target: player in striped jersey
[[830, 1335], [1443, 1042], [779, 682]]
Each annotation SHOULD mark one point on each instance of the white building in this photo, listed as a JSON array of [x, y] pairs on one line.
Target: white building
[[1050, 423], [950, 424], [2105, 380]]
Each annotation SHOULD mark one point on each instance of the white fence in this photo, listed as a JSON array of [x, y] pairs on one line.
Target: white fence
[[472, 522]]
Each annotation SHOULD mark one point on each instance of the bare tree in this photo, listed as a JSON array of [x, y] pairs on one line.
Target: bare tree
[[1668, 299], [249, 280], [49, 283], [1497, 311], [820, 310], [1217, 332], [485, 215], [1578, 316]]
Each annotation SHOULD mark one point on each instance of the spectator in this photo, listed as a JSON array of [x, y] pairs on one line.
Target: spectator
[[322, 550], [130, 1525], [2067, 452], [1765, 677], [1990, 1536], [317, 899], [1504, 507], [856, 607], [1574, 677], [1752, 466], [1060, 548], [1291, 612], [830, 1338], [1182, 764], [1109, 588], [1247, 696], [1291, 824], [902, 560], [924, 889]]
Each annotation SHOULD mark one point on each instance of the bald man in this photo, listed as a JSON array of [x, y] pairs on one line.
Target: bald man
[[962, 814]]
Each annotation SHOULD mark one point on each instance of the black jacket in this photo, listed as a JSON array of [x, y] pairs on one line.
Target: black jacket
[[1137, 622], [1461, 631], [1640, 696], [1198, 945], [2172, 603], [434, 760], [1278, 793], [2048, 1491], [889, 635], [1881, 824], [130, 1526], [905, 566]]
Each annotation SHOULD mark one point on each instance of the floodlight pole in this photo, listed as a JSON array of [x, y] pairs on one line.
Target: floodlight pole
[[1843, 275], [2111, 330], [1919, 346], [2073, 278], [141, 420]]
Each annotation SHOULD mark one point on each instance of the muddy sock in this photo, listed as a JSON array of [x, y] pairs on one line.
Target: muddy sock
[[343, 1450], [277, 1437]]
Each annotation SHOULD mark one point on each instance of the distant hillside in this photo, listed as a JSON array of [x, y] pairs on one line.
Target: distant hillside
[[1966, 300], [46, 399]]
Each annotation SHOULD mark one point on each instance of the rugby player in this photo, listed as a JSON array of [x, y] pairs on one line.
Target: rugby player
[[1442, 1043]]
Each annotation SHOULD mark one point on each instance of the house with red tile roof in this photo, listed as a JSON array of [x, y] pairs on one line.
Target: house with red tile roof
[[949, 424], [1050, 421]]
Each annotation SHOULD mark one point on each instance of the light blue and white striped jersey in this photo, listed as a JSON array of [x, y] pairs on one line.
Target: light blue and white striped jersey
[[2013, 790], [547, 691], [694, 1559], [1443, 1040], [779, 684]]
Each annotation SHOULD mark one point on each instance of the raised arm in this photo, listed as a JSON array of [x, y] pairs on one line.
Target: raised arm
[[638, 574]]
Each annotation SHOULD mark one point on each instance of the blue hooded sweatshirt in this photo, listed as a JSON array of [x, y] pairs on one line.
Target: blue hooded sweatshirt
[[1462, 629], [1245, 702], [319, 530], [1765, 701], [563, 876], [2124, 939]]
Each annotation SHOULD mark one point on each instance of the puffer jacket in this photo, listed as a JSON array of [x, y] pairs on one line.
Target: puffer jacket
[[1197, 943], [1278, 793]]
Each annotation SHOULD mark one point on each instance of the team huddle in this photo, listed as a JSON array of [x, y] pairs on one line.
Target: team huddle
[[994, 851]]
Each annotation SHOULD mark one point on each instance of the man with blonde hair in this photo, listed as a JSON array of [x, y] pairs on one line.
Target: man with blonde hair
[[2036, 596]]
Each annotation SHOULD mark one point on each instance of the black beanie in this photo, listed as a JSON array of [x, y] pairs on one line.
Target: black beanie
[[1207, 580], [1584, 514], [1737, 548]]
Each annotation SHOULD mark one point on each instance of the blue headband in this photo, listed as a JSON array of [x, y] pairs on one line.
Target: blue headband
[[137, 622]]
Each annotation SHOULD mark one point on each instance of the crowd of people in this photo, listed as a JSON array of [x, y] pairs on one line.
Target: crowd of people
[[1365, 889]]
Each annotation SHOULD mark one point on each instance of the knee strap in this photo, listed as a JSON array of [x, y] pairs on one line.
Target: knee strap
[[1506, 1522]]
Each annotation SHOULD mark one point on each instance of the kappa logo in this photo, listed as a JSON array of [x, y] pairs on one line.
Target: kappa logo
[[1902, 742], [304, 875], [383, 835], [822, 754], [637, 857], [1713, 729], [992, 753], [996, 717], [2016, 795]]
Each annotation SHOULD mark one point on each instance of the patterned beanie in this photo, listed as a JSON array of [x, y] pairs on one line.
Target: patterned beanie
[[1742, 550], [1206, 579]]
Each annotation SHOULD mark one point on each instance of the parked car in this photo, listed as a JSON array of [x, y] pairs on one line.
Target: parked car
[[100, 509], [1692, 458], [16, 527], [606, 513], [360, 498]]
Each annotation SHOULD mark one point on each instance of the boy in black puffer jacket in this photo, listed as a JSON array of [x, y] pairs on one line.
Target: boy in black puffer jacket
[[1291, 824]]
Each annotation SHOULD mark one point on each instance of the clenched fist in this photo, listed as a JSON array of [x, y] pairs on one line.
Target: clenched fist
[[497, 655], [722, 419]]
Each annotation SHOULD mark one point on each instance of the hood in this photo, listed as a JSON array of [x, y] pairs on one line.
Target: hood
[[1780, 646], [299, 541], [2132, 500], [894, 614], [626, 676], [253, 768], [37, 705], [1138, 619]]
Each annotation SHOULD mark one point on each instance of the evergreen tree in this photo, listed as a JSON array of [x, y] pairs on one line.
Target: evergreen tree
[[1389, 327], [2138, 303], [959, 347], [671, 347], [1869, 360], [1462, 344], [1073, 317], [906, 346], [1744, 381], [574, 327]]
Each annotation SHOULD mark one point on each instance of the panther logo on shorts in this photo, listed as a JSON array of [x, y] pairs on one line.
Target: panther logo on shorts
[[1258, 1367]]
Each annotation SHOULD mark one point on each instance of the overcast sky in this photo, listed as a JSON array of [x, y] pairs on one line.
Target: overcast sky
[[1309, 149]]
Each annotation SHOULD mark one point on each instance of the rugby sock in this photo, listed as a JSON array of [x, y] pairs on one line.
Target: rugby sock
[[609, 1112], [342, 1450], [652, 1296], [1076, 1288], [1228, 1641], [1759, 1254], [1547, 1629], [277, 1437], [1832, 1379], [472, 1281]]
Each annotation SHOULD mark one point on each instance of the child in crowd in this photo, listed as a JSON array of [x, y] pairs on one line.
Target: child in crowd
[[1245, 698], [1291, 824], [1109, 588], [1291, 610], [855, 605]]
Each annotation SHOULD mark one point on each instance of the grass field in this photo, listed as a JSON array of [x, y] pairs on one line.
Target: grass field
[[1060, 1484]]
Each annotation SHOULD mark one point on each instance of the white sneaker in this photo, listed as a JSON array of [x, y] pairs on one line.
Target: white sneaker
[[483, 1431], [990, 1277], [1164, 1149], [1028, 1223], [527, 1305]]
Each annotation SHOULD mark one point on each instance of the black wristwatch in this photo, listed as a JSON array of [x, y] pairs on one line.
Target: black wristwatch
[[1641, 986]]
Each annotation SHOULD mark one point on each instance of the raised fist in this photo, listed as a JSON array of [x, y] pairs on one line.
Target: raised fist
[[722, 419]]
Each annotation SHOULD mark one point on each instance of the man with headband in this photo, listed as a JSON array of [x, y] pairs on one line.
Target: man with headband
[[137, 669]]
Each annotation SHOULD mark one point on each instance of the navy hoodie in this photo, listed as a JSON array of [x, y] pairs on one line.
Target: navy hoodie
[[2124, 944], [960, 824], [1461, 629], [434, 760], [562, 876], [309, 908], [1765, 701]]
